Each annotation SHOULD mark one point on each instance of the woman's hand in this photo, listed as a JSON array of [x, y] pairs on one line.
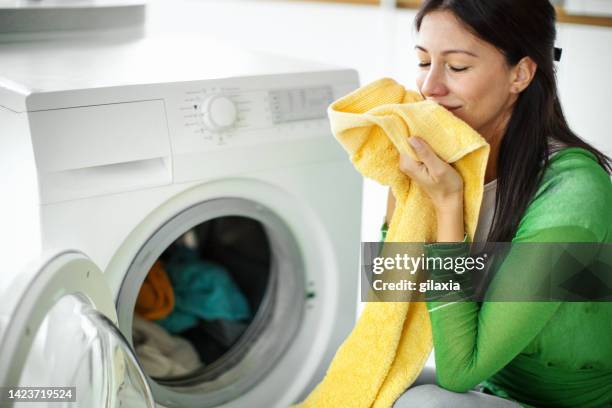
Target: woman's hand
[[442, 183]]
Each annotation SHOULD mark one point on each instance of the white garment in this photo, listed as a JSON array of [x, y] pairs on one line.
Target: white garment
[[486, 211], [485, 218], [160, 353]]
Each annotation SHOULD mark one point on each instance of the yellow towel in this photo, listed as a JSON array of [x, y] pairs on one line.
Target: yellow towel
[[390, 343]]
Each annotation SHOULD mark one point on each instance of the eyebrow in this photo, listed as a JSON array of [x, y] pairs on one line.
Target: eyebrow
[[448, 51]]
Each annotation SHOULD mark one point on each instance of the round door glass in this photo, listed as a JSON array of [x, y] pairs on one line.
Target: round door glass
[[213, 301], [78, 349]]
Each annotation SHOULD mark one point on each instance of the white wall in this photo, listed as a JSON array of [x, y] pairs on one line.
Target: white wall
[[380, 43], [585, 81]]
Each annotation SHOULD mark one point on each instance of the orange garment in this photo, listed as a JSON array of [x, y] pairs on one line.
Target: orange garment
[[156, 297]]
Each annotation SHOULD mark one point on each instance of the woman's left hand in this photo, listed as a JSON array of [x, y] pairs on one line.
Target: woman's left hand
[[439, 179]]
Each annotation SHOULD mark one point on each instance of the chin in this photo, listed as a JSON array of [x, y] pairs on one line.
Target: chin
[[463, 118]]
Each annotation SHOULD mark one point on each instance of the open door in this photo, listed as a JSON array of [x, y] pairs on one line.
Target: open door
[[58, 330]]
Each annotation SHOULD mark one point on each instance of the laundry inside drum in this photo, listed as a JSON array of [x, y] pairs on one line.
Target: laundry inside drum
[[204, 301]]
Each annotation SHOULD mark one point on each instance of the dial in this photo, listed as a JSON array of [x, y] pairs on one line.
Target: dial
[[219, 112]]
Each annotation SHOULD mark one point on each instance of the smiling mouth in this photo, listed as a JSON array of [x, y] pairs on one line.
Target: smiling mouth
[[452, 108]]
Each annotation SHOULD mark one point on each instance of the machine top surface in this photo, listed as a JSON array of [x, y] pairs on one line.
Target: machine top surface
[[42, 67]]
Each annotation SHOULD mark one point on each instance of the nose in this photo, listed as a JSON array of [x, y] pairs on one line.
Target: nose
[[434, 84]]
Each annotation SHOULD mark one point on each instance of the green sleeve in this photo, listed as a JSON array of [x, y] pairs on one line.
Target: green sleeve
[[383, 231], [474, 340]]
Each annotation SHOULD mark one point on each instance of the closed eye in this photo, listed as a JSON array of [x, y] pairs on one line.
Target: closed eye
[[458, 69], [452, 68]]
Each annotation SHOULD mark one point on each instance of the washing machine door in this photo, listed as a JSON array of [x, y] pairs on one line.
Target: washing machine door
[[59, 338]]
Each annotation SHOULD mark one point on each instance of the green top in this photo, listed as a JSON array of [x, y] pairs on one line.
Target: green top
[[545, 354]]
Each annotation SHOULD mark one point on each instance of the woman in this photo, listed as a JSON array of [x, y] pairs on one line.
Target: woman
[[490, 62]]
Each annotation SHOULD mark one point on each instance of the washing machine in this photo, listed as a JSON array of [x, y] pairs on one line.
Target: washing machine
[[114, 157]]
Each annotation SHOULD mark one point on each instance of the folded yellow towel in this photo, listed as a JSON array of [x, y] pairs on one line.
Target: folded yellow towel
[[390, 343]]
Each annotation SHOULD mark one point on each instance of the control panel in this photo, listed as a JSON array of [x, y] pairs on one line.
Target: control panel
[[214, 115], [218, 115]]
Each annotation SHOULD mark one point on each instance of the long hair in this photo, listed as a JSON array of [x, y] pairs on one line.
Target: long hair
[[537, 127]]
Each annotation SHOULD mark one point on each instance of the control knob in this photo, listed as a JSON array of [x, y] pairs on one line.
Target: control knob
[[219, 112]]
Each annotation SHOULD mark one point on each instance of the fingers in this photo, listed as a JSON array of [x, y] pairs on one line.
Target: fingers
[[436, 177], [413, 168], [425, 153]]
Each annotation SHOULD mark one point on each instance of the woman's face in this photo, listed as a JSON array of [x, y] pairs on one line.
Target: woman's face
[[463, 73]]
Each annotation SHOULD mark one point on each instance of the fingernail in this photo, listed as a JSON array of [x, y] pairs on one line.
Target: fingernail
[[415, 142]]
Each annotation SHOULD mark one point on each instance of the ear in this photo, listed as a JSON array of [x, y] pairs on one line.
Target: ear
[[522, 74]]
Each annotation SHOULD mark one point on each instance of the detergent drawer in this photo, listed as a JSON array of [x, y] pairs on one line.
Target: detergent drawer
[[93, 150]]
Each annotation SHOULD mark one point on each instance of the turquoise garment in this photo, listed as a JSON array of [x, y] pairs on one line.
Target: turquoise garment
[[202, 290], [542, 354]]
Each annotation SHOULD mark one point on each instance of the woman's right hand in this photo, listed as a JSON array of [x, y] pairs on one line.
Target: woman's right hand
[[442, 183]]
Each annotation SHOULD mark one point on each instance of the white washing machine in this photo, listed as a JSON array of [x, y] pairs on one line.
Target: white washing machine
[[113, 152]]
